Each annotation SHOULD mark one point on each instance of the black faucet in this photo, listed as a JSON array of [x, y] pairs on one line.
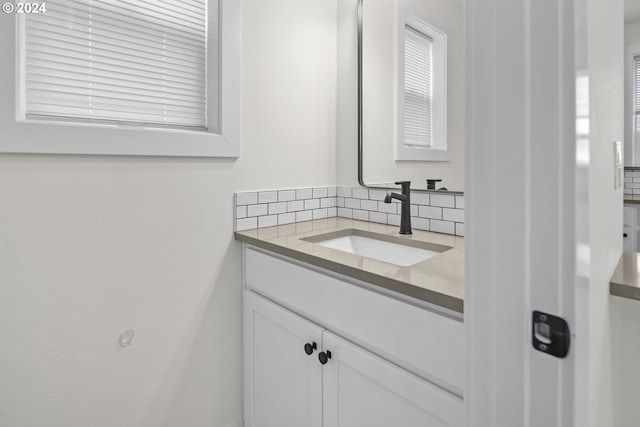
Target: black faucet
[[405, 215]]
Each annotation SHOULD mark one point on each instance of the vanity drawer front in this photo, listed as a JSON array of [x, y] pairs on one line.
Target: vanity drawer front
[[426, 343]]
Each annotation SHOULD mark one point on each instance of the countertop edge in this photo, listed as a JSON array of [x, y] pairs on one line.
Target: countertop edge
[[623, 291], [617, 285], [426, 295]]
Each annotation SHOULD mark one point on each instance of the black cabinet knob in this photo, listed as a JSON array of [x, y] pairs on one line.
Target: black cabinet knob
[[309, 347], [323, 357], [625, 235]]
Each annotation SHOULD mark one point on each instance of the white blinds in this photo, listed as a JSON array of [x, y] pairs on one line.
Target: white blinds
[[418, 116], [636, 90], [139, 62]]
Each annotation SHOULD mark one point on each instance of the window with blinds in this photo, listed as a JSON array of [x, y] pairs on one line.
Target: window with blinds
[[131, 62], [418, 117], [636, 91]]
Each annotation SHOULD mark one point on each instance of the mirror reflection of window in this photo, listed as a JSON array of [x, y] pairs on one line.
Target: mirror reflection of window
[[417, 88], [422, 89], [636, 96]]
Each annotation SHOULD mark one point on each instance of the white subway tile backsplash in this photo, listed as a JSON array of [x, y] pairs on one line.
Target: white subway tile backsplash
[[345, 213], [631, 181], [246, 223], [378, 217], [443, 213], [277, 208], [311, 204], [296, 205], [393, 219], [328, 202], [304, 193], [286, 195], [443, 200], [319, 213], [369, 205], [344, 191], [454, 215], [420, 198], [360, 193], [391, 208], [246, 198], [352, 203], [256, 210], [377, 194], [286, 218], [267, 221], [319, 193], [442, 226], [267, 196], [360, 215], [304, 216], [420, 223], [430, 212]]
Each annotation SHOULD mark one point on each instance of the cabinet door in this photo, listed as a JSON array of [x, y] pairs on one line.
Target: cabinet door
[[282, 384], [627, 239], [629, 215], [362, 390]]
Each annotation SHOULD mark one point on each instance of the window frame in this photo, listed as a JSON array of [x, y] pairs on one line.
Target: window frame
[[18, 135], [440, 149]]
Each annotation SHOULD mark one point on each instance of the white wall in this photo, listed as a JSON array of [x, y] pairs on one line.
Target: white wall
[[632, 33], [605, 56], [92, 245], [380, 94]]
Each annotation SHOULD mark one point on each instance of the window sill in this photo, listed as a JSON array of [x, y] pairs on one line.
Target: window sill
[[57, 138], [423, 154]]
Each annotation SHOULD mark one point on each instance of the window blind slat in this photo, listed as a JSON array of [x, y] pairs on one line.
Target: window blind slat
[[133, 61], [63, 69], [42, 82]]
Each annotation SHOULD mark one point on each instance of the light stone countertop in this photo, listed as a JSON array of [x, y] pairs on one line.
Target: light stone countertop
[[632, 198], [625, 281], [438, 280]]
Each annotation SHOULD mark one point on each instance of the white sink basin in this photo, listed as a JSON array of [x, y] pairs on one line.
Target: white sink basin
[[391, 249]]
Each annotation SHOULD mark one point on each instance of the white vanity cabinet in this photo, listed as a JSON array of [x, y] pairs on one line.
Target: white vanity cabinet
[[384, 357], [284, 386], [361, 389]]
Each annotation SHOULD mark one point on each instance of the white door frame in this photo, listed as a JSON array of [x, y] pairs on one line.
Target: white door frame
[[525, 190]]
